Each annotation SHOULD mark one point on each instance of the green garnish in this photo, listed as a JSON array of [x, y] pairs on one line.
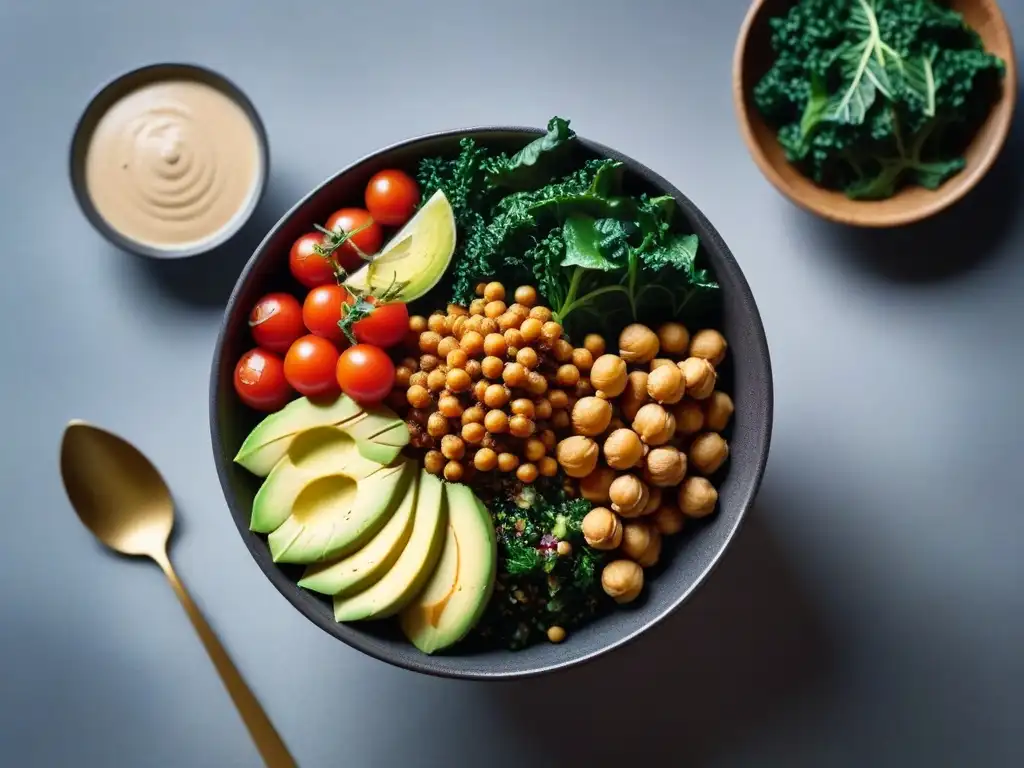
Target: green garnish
[[871, 95], [364, 304]]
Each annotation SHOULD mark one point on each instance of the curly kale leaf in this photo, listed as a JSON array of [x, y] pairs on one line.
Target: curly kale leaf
[[532, 166], [870, 95]]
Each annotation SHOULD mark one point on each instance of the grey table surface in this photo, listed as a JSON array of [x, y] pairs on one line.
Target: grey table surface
[[870, 613]]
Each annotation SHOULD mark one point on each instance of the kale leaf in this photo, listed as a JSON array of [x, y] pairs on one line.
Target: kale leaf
[[870, 95]]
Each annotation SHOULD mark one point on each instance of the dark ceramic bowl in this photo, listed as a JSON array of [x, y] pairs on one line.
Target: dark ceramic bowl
[[688, 558]]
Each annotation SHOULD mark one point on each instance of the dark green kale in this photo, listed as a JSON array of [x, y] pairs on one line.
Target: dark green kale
[[872, 95], [589, 248], [537, 588]]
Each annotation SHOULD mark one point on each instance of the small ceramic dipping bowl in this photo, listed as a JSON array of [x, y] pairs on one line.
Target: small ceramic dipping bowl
[[753, 58], [169, 160]]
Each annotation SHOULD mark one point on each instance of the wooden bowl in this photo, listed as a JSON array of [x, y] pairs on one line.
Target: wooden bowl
[[753, 58]]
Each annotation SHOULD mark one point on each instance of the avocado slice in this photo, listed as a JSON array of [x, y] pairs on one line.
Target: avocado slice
[[451, 605], [312, 454], [333, 515], [406, 577], [380, 433], [366, 566]]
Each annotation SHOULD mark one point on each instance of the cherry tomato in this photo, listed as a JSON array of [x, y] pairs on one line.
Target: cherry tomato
[[311, 366], [386, 325], [260, 381], [367, 241], [392, 197], [365, 373], [309, 267], [321, 311], [276, 321]]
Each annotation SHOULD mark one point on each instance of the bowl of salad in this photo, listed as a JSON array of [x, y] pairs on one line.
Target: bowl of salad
[[490, 403]]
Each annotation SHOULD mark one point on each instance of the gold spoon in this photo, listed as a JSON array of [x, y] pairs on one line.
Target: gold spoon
[[123, 500]]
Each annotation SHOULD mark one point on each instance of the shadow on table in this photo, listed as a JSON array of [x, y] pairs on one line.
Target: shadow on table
[[206, 281], [744, 647], [953, 242]]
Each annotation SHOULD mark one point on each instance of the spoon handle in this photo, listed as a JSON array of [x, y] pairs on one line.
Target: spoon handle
[[268, 742]]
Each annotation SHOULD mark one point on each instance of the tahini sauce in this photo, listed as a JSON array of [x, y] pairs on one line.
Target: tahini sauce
[[173, 164]]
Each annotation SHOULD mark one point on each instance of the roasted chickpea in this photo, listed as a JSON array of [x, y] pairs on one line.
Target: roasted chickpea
[[417, 323], [629, 495], [485, 460], [689, 418], [458, 326], [508, 321], [429, 341], [594, 344], [479, 290], [418, 396], [534, 449], [608, 374], [453, 471], [562, 351], [602, 529], [710, 345], [654, 424], [472, 343], [494, 345], [536, 384], [527, 473], [708, 452], [697, 497], [474, 368], [492, 367], [526, 295], [638, 344], [634, 396], [673, 338], [452, 447], [659, 362], [496, 422], [641, 541], [458, 380], [531, 329], [653, 500], [584, 388], [514, 375], [449, 406], [622, 580], [523, 407], [402, 374], [542, 408], [436, 380], [496, 396], [666, 466], [480, 389], [457, 309], [488, 326], [567, 375], [551, 331], [623, 449], [473, 415], [666, 384], [434, 462], [419, 416], [473, 433], [494, 309], [520, 309], [445, 347], [418, 379], [507, 462], [541, 313], [718, 410], [582, 359], [700, 377], [520, 426], [668, 519], [594, 487], [494, 292], [527, 357], [456, 358], [578, 455], [558, 399], [436, 323], [476, 307], [590, 416], [412, 363], [437, 424], [429, 362], [547, 436], [547, 466], [514, 339], [560, 420]]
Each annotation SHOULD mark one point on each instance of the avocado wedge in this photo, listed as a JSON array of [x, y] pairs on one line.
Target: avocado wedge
[[315, 453], [406, 577], [367, 565], [456, 595], [333, 515]]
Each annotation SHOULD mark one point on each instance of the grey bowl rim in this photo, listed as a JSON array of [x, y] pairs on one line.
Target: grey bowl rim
[[434, 665]]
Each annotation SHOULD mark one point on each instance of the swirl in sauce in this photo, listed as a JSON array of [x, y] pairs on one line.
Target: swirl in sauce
[[173, 164]]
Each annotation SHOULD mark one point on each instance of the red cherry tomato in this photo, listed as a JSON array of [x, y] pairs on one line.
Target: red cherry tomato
[[311, 366], [260, 382], [392, 197], [276, 321], [309, 267], [321, 311], [366, 242], [365, 373], [386, 325]]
